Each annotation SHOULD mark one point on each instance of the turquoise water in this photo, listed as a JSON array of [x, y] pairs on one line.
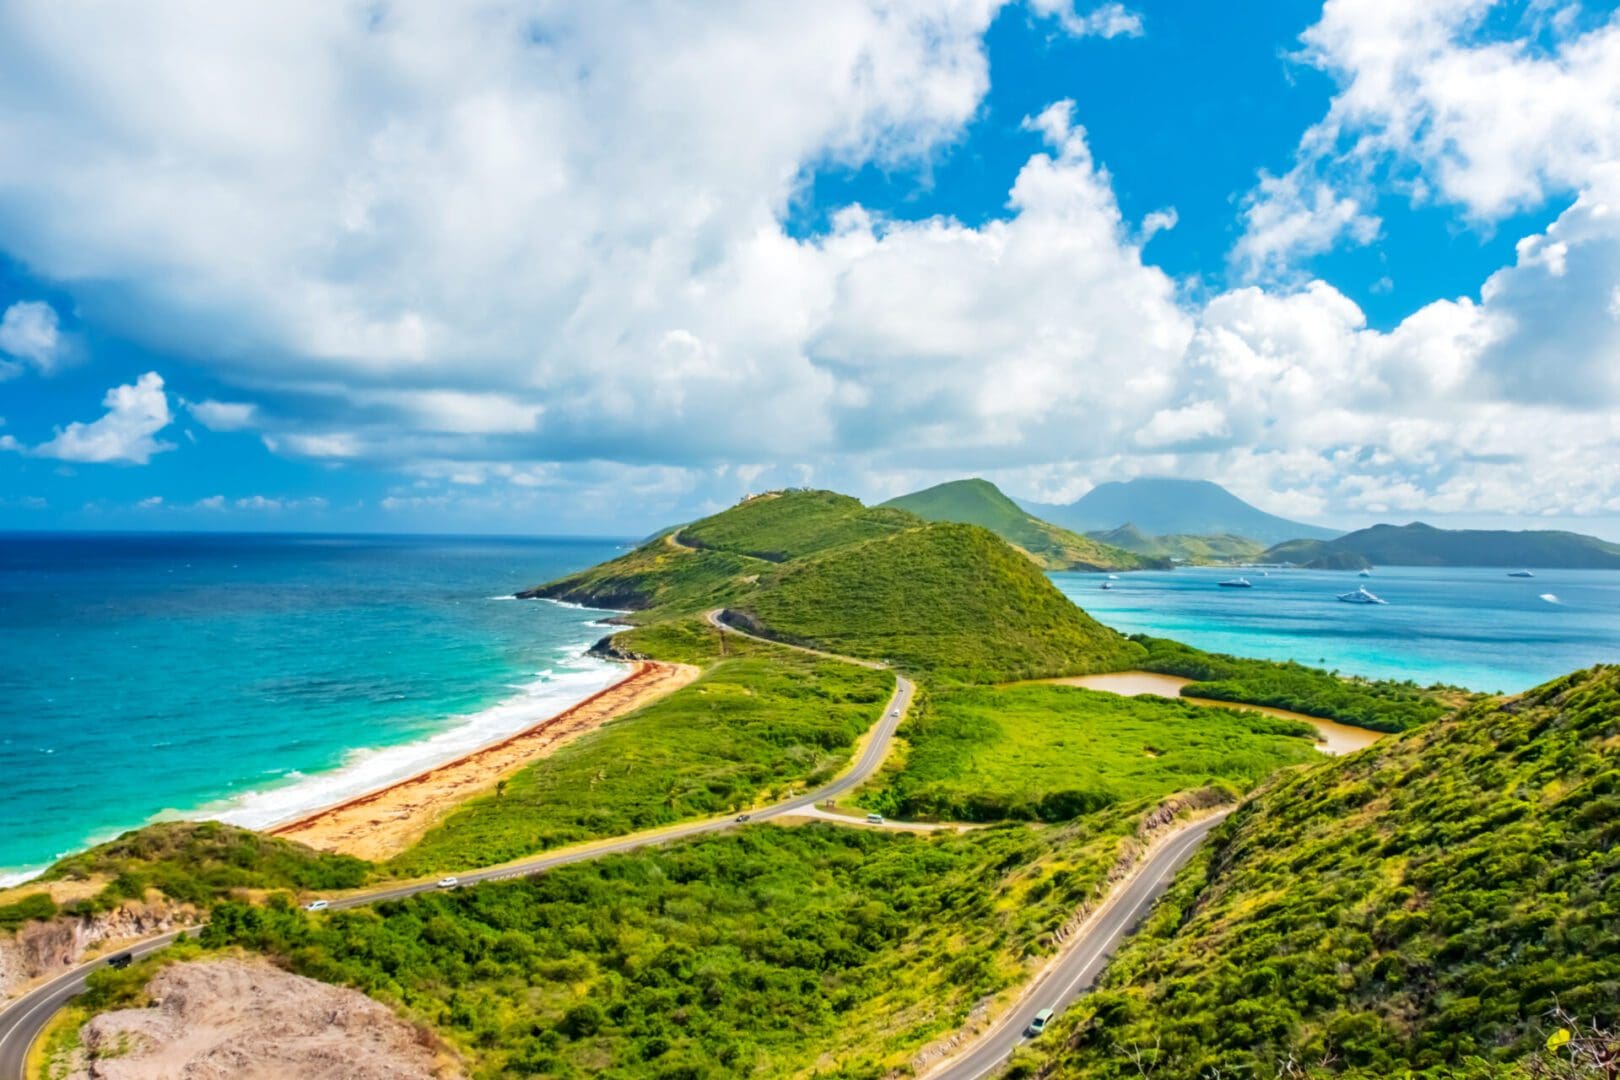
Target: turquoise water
[[1469, 627], [252, 677]]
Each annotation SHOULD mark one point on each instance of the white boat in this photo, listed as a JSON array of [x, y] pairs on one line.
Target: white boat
[[1365, 573], [1108, 584], [1520, 573], [1361, 596], [1236, 583], [1113, 577]]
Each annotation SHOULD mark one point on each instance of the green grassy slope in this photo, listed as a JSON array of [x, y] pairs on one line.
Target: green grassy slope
[[783, 525], [658, 574], [979, 502], [951, 601], [1048, 753], [761, 721], [1188, 548], [1421, 905], [1376, 704], [769, 952], [201, 862]]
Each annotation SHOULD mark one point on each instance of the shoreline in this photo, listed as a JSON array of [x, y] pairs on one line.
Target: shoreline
[[384, 821]]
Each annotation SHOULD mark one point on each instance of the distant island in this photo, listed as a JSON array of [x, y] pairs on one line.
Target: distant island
[[1165, 506], [1418, 544]]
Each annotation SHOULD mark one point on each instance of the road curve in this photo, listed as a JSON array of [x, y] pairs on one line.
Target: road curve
[[23, 1020], [1081, 961]]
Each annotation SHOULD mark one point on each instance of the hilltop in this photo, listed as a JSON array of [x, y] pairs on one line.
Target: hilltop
[[1421, 905], [1164, 506], [877, 582], [951, 600], [1418, 544], [1182, 547], [703, 564], [979, 502]]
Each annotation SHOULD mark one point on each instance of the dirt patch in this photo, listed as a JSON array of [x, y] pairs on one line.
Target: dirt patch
[[381, 824], [249, 1021]]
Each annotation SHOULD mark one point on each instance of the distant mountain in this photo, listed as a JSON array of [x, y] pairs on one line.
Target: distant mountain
[[979, 502], [1418, 544], [1181, 547], [1161, 506]]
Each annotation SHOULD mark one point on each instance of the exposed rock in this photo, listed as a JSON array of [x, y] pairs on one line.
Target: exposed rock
[[246, 1020], [43, 948]]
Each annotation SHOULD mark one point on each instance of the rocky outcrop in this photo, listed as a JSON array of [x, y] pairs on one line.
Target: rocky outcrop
[[44, 948], [246, 1020]]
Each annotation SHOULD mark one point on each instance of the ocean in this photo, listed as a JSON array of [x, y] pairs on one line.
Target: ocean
[[252, 677], [1466, 626]]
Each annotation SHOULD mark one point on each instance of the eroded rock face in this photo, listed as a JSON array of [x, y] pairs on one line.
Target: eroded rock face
[[246, 1020], [44, 948]]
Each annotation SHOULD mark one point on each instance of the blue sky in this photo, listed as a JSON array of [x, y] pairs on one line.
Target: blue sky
[[1357, 262]]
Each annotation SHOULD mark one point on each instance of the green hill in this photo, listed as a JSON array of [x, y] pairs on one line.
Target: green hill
[[1422, 905], [1418, 544], [951, 600], [708, 562], [782, 525], [1182, 547], [979, 502]]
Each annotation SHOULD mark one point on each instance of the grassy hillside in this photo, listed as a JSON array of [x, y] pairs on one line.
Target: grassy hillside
[[760, 722], [1183, 547], [1376, 704], [1048, 753], [979, 502], [1418, 544], [202, 862], [783, 525], [952, 601], [769, 952], [659, 574], [1421, 905]]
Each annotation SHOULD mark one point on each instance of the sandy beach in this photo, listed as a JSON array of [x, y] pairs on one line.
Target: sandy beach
[[382, 823]]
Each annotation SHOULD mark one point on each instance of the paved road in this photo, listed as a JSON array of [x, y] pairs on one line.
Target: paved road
[[1081, 962], [23, 1020], [1074, 973]]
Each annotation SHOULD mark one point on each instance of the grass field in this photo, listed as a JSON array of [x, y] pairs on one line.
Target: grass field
[[761, 721], [1049, 753]]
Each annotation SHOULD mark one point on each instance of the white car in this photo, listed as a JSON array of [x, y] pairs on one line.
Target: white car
[[448, 883], [317, 905], [874, 819]]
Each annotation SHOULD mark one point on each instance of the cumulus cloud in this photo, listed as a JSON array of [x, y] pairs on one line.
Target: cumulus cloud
[[223, 415], [543, 250], [124, 434], [29, 333]]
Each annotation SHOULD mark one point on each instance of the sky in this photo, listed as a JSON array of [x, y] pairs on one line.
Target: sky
[[537, 267]]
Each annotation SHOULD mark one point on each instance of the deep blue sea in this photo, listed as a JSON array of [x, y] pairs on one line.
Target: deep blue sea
[[144, 676], [1470, 627]]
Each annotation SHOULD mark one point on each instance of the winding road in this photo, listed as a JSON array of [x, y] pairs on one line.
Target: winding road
[[1073, 971]]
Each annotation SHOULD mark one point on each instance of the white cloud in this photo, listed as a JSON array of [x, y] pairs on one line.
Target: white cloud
[[29, 332], [542, 250], [223, 415], [211, 502], [1105, 20], [135, 413], [151, 502], [1158, 221]]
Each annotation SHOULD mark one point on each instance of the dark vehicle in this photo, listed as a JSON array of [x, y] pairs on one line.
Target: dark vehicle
[[744, 817], [121, 961]]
